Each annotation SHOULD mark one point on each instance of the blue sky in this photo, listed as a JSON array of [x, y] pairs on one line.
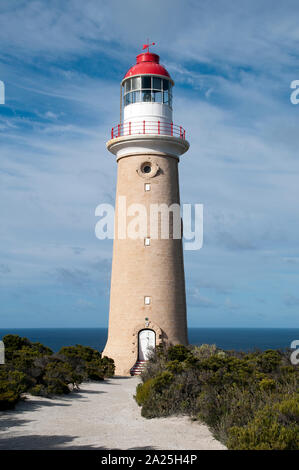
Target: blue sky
[[232, 63]]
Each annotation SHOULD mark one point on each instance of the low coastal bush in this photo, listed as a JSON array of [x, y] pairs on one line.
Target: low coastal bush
[[34, 368], [272, 428], [249, 400], [96, 366], [12, 384], [143, 392]]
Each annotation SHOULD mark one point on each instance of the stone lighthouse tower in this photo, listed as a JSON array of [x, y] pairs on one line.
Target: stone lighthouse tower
[[147, 298]]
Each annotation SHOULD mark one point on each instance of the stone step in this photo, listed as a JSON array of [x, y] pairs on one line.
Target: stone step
[[137, 368]]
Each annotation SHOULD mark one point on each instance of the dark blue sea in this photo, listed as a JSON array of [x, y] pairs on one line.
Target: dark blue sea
[[245, 339]]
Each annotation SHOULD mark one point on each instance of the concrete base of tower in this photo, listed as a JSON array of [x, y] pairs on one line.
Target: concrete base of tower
[[126, 353], [123, 365]]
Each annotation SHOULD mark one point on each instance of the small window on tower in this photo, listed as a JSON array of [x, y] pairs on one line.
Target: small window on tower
[[147, 187], [147, 300], [147, 241]]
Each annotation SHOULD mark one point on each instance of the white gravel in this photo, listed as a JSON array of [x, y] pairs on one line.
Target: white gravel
[[102, 415]]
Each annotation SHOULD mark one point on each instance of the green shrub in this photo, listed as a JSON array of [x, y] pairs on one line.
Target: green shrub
[[204, 351], [288, 409], [269, 361], [14, 344], [162, 381], [96, 367], [33, 368], [143, 392], [239, 395], [12, 385], [174, 366], [272, 428], [154, 395], [58, 375], [39, 390], [177, 353], [267, 384], [108, 366], [83, 352]]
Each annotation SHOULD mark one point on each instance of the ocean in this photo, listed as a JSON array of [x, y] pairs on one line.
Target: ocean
[[242, 339]]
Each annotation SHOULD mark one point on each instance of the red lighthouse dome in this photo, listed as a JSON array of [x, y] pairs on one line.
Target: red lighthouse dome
[[147, 63]]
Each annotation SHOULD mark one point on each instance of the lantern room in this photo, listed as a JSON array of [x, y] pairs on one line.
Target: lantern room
[[146, 103], [147, 91]]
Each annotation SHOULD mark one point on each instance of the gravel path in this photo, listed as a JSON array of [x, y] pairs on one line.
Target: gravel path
[[101, 415]]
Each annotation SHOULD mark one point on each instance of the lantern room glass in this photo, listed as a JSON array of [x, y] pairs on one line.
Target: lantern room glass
[[147, 89]]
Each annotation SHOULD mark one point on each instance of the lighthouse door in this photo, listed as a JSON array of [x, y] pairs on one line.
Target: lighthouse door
[[146, 340]]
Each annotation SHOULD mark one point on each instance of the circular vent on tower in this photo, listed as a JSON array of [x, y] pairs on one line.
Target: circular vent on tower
[[148, 169]]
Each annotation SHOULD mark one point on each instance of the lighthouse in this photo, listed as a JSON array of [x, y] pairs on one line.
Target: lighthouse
[[147, 296]]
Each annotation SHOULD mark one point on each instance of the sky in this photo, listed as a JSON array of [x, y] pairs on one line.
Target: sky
[[232, 63]]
